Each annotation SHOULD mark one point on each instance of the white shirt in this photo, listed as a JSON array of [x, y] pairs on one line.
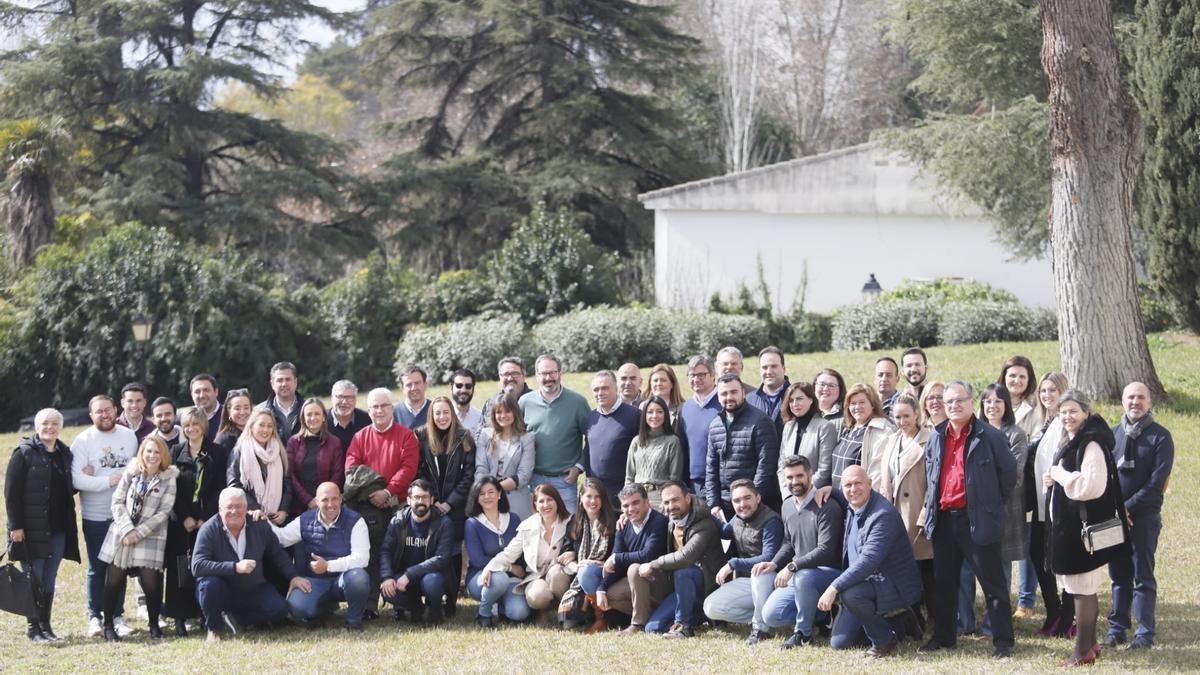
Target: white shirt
[[360, 543], [238, 543], [472, 420], [107, 453], [703, 400]]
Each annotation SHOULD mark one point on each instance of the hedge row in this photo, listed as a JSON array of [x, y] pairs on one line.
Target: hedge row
[[900, 323]]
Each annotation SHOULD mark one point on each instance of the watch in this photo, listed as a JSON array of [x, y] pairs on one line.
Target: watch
[[791, 567]]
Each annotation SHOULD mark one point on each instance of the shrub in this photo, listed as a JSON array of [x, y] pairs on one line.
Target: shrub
[[1158, 314], [478, 343], [455, 295], [875, 325], [707, 333], [988, 321], [606, 337], [946, 290], [813, 333]]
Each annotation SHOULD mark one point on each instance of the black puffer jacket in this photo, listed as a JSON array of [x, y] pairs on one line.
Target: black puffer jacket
[[741, 445], [27, 498], [453, 483]]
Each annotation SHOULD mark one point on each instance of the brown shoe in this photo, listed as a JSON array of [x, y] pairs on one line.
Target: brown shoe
[[632, 629], [890, 649], [599, 624], [1023, 613]]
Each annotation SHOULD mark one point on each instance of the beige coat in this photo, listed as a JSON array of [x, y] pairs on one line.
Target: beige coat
[[906, 490], [151, 526], [524, 547], [874, 446]]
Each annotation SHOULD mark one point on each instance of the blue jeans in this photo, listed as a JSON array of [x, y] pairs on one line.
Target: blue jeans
[[796, 604], [94, 532], [589, 578], [966, 600], [859, 614], [568, 491], [1133, 584], [500, 592], [352, 586], [45, 570], [258, 605], [679, 606], [1027, 584], [431, 589]]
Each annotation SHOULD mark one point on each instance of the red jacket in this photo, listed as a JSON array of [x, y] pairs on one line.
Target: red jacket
[[331, 467], [394, 454]]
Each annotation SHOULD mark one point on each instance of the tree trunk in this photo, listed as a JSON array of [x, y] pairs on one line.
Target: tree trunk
[[1095, 149]]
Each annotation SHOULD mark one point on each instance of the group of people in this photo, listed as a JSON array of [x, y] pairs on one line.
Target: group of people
[[867, 513]]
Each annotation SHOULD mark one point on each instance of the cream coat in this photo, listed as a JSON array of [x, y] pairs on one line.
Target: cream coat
[[151, 527], [524, 547], [874, 446], [906, 490]]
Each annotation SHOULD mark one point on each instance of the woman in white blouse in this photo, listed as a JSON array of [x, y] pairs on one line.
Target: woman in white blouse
[[538, 547]]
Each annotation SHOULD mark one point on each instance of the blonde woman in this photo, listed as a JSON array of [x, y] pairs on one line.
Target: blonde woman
[[865, 428], [258, 465], [903, 483], [663, 384]]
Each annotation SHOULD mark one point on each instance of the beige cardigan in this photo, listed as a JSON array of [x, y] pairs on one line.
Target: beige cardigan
[[906, 490]]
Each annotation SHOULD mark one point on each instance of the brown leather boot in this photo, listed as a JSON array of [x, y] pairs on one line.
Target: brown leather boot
[[600, 624]]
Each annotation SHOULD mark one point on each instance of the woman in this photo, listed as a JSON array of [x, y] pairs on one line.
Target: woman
[[1083, 490], [506, 452], [137, 538], [589, 543], [448, 461], [42, 529], [201, 464], [536, 548], [663, 384], [488, 530], [931, 404], [258, 465], [903, 483], [865, 429], [996, 407], [655, 454], [830, 388], [234, 416], [1044, 445], [1017, 376], [806, 433], [315, 456]]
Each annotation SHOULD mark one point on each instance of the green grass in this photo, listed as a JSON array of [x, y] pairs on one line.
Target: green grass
[[460, 647]]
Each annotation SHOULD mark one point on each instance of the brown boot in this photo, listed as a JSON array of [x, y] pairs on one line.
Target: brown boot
[[600, 624]]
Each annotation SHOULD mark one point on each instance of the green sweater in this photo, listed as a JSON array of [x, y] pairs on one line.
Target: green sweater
[[558, 428]]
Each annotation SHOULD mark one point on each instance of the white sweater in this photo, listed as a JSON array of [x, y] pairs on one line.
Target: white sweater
[[107, 453]]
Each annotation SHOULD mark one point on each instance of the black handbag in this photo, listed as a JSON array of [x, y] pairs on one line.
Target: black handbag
[[17, 592], [183, 570]]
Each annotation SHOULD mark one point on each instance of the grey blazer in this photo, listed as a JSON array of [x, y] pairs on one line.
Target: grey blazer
[[816, 444]]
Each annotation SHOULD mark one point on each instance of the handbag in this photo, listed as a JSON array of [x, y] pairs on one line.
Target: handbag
[[183, 570], [17, 593], [1102, 535]]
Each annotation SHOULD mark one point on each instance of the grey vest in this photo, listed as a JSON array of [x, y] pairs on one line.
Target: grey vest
[[747, 534]]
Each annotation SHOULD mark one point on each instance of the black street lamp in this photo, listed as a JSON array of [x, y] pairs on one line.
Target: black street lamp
[[871, 290], [143, 328]]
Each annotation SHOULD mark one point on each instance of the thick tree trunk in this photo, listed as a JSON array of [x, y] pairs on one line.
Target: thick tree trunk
[[1095, 148]]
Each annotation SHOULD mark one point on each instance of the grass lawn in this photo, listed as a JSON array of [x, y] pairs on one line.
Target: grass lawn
[[459, 646]]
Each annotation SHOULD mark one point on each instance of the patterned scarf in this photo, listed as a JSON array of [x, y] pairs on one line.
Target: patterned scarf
[[138, 491], [1135, 429]]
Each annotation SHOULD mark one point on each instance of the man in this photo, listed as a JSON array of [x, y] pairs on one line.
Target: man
[[769, 395], [462, 390], [228, 562], [696, 416], [629, 378], [611, 427], [511, 371], [691, 561], [391, 454], [1144, 454], [283, 402], [729, 360], [971, 473], [809, 559], [641, 540], [880, 581], [332, 548], [100, 454], [916, 368], [203, 388], [133, 405], [413, 411], [757, 533], [558, 419], [887, 375], [415, 562], [742, 443], [346, 420], [162, 411]]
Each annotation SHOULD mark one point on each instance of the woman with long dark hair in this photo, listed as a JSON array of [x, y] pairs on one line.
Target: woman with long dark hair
[[506, 451], [315, 456], [489, 528], [655, 454], [589, 543], [535, 550], [806, 432]]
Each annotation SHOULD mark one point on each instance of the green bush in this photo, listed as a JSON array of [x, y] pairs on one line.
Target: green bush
[[606, 337], [455, 295], [708, 333], [945, 290], [1157, 312], [478, 343], [813, 333], [987, 321], [875, 325]]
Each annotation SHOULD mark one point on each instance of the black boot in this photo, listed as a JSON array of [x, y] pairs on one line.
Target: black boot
[[33, 631], [44, 620]]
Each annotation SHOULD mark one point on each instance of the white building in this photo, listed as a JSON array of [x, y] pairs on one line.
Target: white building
[[842, 215]]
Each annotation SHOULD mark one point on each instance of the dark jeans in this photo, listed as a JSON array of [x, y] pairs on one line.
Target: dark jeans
[[430, 588], [45, 570], [94, 532], [1133, 583], [258, 605], [952, 545], [682, 604], [860, 615], [327, 591]]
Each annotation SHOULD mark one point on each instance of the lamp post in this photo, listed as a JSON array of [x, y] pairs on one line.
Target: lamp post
[[143, 328], [871, 290]]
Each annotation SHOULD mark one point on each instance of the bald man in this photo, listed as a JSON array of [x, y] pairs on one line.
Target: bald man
[[333, 548], [880, 576], [629, 384], [1144, 454]]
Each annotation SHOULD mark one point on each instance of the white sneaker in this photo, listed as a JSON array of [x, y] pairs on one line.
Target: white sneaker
[[142, 613], [122, 627], [95, 628]]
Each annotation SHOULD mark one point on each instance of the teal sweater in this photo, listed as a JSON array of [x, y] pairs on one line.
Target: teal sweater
[[558, 428]]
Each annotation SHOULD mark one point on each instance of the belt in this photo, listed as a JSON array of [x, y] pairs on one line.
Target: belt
[[956, 512], [556, 474]]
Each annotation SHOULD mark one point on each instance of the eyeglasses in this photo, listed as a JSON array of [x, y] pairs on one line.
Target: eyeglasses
[[512, 374], [699, 374], [380, 406], [934, 397], [826, 385], [345, 397], [955, 401], [544, 373]]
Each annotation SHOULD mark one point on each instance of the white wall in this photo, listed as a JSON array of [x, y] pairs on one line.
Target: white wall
[[698, 253]]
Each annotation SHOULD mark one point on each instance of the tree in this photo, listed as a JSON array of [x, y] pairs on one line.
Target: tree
[[135, 89], [1166, 83], [1095, 148], [555, 99], [30, 150]]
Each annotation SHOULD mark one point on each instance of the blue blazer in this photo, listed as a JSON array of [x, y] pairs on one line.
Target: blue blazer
[[630, 547], [991, 474], [214, 556], [885, 557], [1143, 468]]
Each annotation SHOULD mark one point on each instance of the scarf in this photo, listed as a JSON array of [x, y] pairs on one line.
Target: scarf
[[137, 494], [1135, 429], [268, 492]]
